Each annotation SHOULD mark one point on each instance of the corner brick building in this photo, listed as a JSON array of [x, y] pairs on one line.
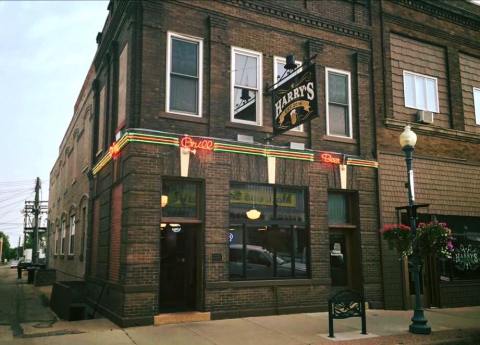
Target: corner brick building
[[192, 206]]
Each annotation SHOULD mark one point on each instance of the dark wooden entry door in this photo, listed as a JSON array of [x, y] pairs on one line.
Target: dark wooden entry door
[[345, 268], [178, 267]]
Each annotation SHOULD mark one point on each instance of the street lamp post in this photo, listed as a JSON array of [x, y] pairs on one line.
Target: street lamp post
[[419, 325]]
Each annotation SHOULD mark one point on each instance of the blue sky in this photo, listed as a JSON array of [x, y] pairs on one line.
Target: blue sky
[[45, 51]]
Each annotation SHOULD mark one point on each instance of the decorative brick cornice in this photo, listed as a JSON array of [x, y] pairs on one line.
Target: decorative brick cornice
[[217, 22], [441, 11], [420, 27], [303, 18]]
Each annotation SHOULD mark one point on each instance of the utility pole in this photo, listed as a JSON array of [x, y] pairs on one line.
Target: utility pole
[[36, 212], [18, 247]]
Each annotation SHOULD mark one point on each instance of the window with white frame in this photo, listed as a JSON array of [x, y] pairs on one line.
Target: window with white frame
[[62, 240], [280, 72], [57, 236], [476, 102], [420, 91], [184, 74], [339, 103], [71, 242], [246, 79]]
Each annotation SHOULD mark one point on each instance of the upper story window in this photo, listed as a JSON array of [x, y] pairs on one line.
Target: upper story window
[[184, 75], [476, 101], [339, 103], [71, 242], [246, 79], [420, 91], [122, 87], [62, 239], [101, 119], [279, 72]]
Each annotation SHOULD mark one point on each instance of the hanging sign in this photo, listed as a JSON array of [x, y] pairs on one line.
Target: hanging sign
[[295, 101]]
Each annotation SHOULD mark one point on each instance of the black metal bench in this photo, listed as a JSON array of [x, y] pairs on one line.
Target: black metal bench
[[345, 304]]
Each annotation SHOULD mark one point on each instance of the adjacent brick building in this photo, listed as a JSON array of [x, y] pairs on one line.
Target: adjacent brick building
[[68, 202], [192, 204], [435, 45]]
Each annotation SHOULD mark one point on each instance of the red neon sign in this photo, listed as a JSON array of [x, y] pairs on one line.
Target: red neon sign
[[114, 150], [194, 144], [328, 158]]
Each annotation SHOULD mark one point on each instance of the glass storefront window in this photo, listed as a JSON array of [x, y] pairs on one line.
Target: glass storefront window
[[181, 199], [274, 246]]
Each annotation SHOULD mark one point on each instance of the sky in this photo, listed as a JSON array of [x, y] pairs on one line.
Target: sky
[[46, 48]]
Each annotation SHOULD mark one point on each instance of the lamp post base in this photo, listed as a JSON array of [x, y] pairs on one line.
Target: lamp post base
[[419, 323]]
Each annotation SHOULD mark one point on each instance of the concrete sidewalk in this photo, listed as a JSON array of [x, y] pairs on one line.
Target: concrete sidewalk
[[25, 319], [449, 326]]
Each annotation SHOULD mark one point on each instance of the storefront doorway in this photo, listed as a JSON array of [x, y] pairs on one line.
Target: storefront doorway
[[178, 252]]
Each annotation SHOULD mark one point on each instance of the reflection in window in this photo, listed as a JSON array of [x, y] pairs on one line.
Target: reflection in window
[[281, 72], [338, 103], [246, 85], [420, 91], [182, 199], [338, 208], [184, 75], [476, 102], [274, 246]]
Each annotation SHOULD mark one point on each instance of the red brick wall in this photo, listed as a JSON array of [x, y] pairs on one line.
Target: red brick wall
[[95, 230], [415, 56], [115, 231], [470, 77]]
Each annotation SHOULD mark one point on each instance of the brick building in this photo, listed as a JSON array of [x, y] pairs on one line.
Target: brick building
[[428, 54], [193, 207], [68, 202]]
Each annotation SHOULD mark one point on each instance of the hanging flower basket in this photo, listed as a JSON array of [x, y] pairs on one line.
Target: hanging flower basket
[[398, 237], [432, 238]]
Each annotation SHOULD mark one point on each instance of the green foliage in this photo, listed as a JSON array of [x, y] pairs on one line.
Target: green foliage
[[6, 246], [432, 238]]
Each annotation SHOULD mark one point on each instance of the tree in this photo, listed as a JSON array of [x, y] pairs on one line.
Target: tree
[[6, 246]]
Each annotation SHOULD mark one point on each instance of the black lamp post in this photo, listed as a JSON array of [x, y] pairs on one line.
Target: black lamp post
[[419, 325]]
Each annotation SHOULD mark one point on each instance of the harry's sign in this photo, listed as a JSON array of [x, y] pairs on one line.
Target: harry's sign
[[295, 101]]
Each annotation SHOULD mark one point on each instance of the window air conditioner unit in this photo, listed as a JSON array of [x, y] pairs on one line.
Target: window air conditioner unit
[[424, 116]]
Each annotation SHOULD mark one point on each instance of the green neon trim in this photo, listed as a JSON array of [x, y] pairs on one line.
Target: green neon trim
[[153, 142], [241, 152], [240, 146], [153, 136]]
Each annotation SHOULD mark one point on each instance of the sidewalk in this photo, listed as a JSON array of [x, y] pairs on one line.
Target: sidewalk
[[36, 325], [449, 326]]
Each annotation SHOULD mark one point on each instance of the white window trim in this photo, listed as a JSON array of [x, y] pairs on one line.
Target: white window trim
[[192, 39], [437, 110], [259, 106], [62, 237], [347, 73], [57, 235], [72, 227], [279, 59], [476, 107]]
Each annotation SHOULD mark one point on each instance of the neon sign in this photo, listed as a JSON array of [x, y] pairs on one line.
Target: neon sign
[[194, 144], [328, 158], [114, 150]]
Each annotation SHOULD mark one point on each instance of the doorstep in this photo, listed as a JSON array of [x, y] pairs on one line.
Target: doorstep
[[189, 316]]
